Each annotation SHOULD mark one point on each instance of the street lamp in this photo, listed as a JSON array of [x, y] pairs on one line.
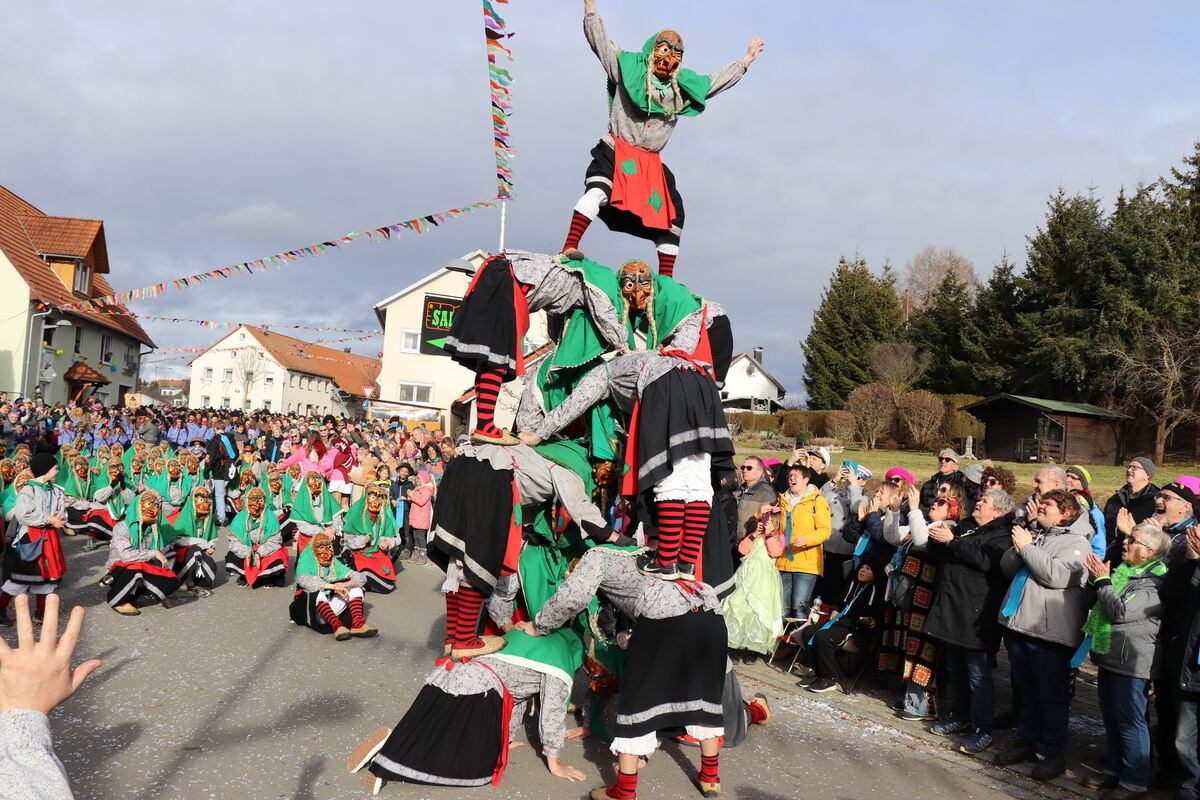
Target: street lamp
[[29, 358]]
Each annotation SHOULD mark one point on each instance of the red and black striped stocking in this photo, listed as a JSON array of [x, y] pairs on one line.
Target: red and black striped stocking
[[709, 768], [666, 263], [328, 615], [695, 524], [670, 530], [579, 224], [358, 617], [470, 606], [487, 388]]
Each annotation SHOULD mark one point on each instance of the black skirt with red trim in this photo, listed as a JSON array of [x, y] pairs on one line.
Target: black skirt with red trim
[[472, 520], [133, 578], [194, 563], [484, 334]]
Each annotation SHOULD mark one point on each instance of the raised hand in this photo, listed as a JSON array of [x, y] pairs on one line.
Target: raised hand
[[755, 48], [37, 675]]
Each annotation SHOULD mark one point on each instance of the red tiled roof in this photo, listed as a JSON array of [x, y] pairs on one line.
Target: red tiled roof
[[80, 371], [24, 231], [349, 371], [167, 384]]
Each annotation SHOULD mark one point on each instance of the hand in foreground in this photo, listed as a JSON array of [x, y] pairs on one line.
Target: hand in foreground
[[528, 627], [529, 438], [1021, 537], [1193, 542], [560, 770], [1124, 521], [940, 533], [582, 732], [1095, 567], [37, 675]]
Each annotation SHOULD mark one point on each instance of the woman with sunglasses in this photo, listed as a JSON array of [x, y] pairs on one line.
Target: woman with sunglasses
[[1124, 626]]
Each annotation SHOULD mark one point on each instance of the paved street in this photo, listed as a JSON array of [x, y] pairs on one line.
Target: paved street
[[224, 698]]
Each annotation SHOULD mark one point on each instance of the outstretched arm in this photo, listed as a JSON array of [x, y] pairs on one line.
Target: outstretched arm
[[732, 72], [604, 48]]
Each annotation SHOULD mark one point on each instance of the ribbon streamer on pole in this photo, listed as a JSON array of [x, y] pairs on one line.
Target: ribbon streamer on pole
[[279, 260], [499, 80]]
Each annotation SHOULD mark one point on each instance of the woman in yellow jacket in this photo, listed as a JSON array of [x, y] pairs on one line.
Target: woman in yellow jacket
[[806, 526]]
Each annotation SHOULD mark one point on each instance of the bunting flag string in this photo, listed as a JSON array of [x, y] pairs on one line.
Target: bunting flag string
[[278, 260], [499, 79], [184, 352], [210, 323]]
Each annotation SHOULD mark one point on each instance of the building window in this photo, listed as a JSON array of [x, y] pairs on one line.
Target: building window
[[414, 393], [105, 349], [48, 335], [267, 405], [207, 375], [83, 278], [224, 402], [205, 401], [101, 398], [410, 342], [130, 356], [269, 380], [78, 339], [241, 337], [227, 376]]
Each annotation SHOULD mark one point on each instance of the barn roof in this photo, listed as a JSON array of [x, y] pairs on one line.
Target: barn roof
[[1049, 406]]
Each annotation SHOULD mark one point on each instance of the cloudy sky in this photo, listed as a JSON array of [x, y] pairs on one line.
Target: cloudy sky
[[210, 133]]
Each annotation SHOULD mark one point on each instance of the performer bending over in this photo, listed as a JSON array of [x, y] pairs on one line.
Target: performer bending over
[[329, 595], [675, 667], [628, 186]]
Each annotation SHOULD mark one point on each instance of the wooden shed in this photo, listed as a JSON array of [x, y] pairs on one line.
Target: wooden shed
[[1031, 429]]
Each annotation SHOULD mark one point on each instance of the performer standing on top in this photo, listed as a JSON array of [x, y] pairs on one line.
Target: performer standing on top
[[627, 185]]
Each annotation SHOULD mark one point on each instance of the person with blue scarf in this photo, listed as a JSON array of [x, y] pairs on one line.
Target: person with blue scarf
[[1043, 612]]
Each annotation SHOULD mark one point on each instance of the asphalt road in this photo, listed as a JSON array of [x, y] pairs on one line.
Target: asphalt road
[[224, 698]]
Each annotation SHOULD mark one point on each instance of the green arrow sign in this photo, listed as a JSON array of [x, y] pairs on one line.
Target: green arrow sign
[[438, 343]]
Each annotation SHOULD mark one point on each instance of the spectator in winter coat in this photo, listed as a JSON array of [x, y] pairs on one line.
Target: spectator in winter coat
[[1044, 611], [963, 616], [947, 471], [1136, 497], [1124, 626], [753, 493], [843, 494], [806, 526], [1181, 666]]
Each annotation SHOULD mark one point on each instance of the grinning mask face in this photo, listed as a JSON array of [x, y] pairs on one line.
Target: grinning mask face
[[148, 507], [139, 446], [667, 53], [23, 477], [294, 471], [116, 470], [313, 482], [247, 478], [256, 502], [116, 451], [135, 465], [193, 465], [637, 282], [202, 502], [604, 473], [8, 468], [156, 465], [174, 469], [323, 550], [376, 496], [80, 465], [274, 483]]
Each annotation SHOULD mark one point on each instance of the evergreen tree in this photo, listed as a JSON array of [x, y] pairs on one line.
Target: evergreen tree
[[945, 327], [995, 354], [858, 309]]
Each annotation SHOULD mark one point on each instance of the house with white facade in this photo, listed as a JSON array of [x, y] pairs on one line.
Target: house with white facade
[[418, 381], [750, 387], [256, 369], [47, 262]]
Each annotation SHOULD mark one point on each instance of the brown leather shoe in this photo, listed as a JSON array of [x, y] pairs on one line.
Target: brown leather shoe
[[128, 609], [709, 789], [341, 634], [479, 646], [365, 750], [364, 631]]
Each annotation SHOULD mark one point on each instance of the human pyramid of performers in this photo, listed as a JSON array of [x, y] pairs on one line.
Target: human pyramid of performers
[[621, 442]]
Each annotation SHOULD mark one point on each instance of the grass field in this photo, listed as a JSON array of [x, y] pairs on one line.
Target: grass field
[[1105, 479]]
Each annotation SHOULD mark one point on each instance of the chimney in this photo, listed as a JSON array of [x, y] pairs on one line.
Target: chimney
[[758, 354], [345, 349]]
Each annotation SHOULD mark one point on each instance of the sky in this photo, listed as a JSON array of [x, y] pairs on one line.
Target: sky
[[210, 133]]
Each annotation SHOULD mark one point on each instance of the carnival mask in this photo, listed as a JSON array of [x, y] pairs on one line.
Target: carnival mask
[[148, 506], [174, 469], [294, 471], [8, 468], [116, 470], [667, 53], [202, 502], [80, 465], [139, 446], [247, 478], [24, 477], [256, 502], [313, 482], [156, 465], [135, 465], [116, 450], [604, 473], [274, 483], [375, 499], [323, 550], [193, 466], [637, 284]]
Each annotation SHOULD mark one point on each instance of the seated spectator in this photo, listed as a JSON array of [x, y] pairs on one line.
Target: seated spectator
[[861, 612], [1043, 612], [1124, 627]]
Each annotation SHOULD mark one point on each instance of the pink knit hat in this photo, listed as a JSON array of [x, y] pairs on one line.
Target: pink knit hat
[[899, 472], [425, 476], [1190, 481]]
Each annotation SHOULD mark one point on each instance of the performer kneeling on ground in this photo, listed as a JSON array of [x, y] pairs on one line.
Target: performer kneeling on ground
[[34, 561], [675, 667], [195, 542], [140, 558], [314, 511], [110, 501], [458, 729], [329, 595], [256, 554], [365, 535]]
